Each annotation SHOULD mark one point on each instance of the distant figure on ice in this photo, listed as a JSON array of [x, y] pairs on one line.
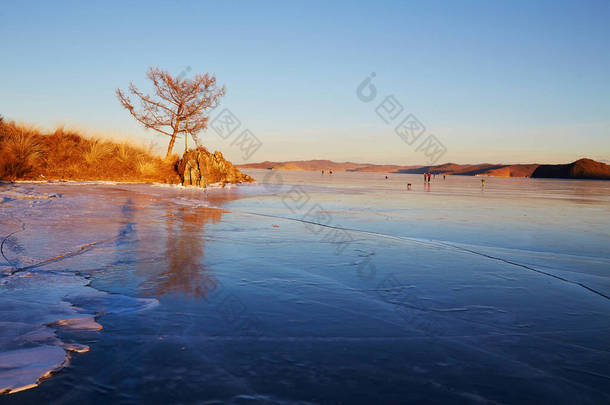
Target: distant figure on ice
[[482, 183], [322, 171], [386, 177], [408, 186], [443, 177]]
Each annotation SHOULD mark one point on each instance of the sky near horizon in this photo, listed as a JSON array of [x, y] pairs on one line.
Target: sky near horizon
[[500, 82]]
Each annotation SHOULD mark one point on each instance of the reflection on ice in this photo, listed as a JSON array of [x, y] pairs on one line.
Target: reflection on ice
[[185, 248]]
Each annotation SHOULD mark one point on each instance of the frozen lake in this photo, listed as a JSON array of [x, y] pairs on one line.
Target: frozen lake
[[307, 288]]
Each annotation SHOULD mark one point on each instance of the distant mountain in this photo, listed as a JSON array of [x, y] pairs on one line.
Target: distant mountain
[[484, 169], [512, 171], [308, 165], [581, 169]]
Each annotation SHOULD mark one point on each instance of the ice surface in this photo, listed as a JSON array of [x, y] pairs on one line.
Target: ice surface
[[310, 289], [35, 304], [32, 307]]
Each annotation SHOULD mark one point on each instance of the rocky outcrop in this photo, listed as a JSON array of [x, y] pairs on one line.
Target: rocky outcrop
[[581, 169], [199, 167]]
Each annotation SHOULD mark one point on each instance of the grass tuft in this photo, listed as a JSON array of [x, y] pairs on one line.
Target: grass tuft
[[98, 151], [19, 151], [147, 167]]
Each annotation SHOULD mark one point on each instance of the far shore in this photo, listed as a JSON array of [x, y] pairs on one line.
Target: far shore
[[579, 169]]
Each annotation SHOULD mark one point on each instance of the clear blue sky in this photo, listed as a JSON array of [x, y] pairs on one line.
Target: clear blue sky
[[508, 82]]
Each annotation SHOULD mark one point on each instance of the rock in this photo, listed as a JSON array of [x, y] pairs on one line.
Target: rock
[[198, 167]]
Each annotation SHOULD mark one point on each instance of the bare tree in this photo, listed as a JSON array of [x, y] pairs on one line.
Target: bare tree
[[179, 105]]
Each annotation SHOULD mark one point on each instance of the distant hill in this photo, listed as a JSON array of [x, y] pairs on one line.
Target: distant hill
[[484, 169], [308, 165], [512, 171], [581, 169]]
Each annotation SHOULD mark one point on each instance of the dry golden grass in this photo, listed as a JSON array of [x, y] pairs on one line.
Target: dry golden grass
[[19, 152], [28, 154], [98, 151], [146, 167]]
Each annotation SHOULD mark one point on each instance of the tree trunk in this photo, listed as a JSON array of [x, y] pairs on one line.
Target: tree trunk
[[171, 145], [175, 126]]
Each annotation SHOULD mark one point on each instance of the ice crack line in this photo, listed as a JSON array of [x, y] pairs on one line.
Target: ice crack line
[[528, 268], [77, 251], [437, 243], [6, 238]]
